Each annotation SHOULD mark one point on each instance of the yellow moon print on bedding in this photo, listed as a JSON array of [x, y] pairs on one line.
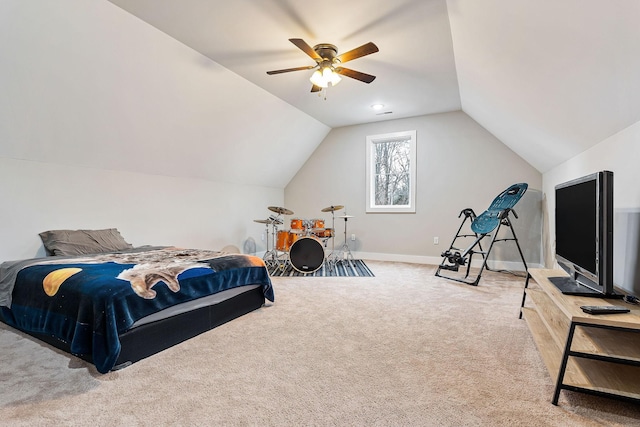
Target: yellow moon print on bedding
[[53, 280]]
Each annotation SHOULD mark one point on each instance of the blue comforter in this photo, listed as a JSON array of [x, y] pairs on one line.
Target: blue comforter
[[88, 301]]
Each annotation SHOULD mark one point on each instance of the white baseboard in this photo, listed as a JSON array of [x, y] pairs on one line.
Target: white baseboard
[[421, 259], [414, 259], [431, 260]]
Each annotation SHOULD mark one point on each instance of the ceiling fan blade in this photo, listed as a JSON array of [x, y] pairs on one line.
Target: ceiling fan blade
[[365, 49], [363, 77], [287, 70], [303, 46], [315, 88]]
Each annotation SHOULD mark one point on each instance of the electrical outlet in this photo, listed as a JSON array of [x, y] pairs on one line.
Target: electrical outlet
[[353, 237], [436, 240]]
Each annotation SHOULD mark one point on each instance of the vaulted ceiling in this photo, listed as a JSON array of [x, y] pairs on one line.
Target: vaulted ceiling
[[549, 78]]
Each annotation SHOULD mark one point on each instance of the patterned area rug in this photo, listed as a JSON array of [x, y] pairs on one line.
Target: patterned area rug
[[350, 268]]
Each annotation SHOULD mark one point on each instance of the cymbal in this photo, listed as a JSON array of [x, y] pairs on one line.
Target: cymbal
[[345, 216], [268, 221], [332, 208], [283, 211]]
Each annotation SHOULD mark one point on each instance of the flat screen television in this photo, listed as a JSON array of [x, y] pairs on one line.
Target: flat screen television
[[584, 235]]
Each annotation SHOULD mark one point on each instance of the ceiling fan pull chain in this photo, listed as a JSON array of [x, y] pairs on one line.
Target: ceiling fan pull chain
[[323, 93]]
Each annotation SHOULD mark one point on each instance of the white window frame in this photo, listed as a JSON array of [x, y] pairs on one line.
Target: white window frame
[[371, 141]]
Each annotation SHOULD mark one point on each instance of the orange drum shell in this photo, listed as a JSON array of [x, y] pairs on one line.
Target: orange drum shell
[[297, 224], [318, 223], [292, 238], [284, 241], [327, 232]]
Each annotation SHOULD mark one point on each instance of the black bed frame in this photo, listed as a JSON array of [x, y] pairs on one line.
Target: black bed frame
[[151, 338]]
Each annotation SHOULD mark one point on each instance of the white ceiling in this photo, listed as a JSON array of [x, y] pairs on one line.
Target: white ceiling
[[415, 67], [549, 78]]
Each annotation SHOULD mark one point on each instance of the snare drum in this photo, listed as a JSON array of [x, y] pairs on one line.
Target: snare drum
[[297, 224]]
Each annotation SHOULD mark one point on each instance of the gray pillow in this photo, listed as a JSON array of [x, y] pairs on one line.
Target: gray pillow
[[83, 242]]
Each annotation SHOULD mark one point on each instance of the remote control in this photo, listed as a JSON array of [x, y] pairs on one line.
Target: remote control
[[604, 309]]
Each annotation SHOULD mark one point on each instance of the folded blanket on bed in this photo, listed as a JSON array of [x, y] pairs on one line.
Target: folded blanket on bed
[[88, 301]]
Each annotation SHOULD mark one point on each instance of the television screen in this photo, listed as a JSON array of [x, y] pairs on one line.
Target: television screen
[[584, 235], [576, 224]]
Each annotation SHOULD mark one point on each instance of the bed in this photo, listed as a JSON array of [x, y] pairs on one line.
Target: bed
[[122, 304]]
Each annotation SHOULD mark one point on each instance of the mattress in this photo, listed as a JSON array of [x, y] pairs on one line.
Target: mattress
[[193, 305], [89, 301]]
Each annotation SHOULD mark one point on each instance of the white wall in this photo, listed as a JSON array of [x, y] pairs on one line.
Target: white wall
[[619, 153], [147, 209], [86, 83], [107, 122], [460, 165]]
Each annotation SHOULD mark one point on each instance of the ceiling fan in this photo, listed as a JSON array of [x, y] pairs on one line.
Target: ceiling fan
[[328, 63]]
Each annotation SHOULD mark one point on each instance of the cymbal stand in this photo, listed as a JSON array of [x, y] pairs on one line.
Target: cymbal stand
[[343, 253], [346, 252], [270, 257], [281, 259], [333, 256]]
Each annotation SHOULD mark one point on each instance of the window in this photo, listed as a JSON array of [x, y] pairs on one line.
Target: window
[[391, 172]]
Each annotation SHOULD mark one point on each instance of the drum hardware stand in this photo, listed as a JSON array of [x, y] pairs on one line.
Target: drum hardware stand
[[278, 261], [333, 256], [344, 253], [272, 257]]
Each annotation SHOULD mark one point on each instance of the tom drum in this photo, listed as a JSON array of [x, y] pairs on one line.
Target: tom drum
[[306, 254], [297, 224]]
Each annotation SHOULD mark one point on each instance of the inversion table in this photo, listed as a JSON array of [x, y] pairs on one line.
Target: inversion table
[[486, 224]]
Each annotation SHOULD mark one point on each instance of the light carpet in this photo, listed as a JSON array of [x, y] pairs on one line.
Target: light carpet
[[403, 348]]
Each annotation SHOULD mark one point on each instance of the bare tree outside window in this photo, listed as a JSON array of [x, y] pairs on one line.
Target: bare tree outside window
[[392, 181], [391, 172]]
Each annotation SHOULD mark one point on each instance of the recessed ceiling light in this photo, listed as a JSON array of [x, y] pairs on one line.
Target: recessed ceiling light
[[377, 106]]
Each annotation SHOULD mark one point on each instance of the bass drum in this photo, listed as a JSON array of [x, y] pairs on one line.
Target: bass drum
[[306, 254]]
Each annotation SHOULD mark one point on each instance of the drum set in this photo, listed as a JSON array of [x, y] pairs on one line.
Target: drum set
[[303, 244]]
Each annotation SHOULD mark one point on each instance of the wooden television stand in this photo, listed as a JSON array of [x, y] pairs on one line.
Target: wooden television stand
[[594, 354]]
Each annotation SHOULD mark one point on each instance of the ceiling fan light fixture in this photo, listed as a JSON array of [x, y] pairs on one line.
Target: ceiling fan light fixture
[[325, 76], [317, 79], [331, 76]]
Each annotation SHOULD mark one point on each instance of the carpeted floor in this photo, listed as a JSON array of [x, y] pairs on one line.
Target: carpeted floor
[[403, 348], [346, 268]]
